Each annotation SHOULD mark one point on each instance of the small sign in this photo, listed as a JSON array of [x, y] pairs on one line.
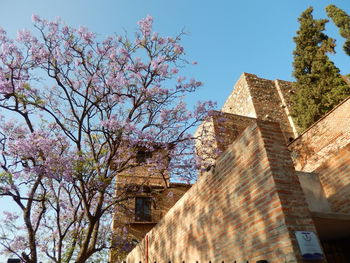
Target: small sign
[[309, 245]]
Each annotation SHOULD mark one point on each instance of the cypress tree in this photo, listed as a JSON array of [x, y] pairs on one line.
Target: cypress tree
[[342, 21], [319, 86]]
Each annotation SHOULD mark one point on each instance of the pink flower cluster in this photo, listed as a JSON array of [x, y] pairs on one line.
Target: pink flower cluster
[[43, 153], [101, 102], [146, 25]]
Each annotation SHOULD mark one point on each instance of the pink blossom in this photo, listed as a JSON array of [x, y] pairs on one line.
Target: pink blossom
[[2, 35], [35, 18], [146, 25], [24, 36], [178, 49], [85, 106], [10, 216], [65, 30], [174, 71], [181, 79], [154, 36], [5, 86], [161, 41]]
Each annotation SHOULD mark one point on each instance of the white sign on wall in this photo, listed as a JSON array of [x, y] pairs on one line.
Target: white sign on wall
[[309, 245]]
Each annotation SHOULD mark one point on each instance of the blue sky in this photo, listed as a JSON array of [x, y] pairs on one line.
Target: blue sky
[[225, 37]]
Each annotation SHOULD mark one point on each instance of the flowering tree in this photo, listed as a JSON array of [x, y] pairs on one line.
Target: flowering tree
[[73, 112]]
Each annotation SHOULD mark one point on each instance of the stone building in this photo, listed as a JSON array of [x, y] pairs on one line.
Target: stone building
[[270, 195], [148, 195]]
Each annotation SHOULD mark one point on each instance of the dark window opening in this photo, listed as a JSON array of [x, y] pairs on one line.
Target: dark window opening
[[130, 188], [135, 242], [143, 209], [146, 189], [134, 188], [142, 156]]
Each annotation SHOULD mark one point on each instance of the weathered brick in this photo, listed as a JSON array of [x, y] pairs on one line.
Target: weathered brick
[[240, 210]]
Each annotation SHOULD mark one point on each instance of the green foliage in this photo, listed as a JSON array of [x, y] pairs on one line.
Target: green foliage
[[5, 177], [342, 21], [319, 85]]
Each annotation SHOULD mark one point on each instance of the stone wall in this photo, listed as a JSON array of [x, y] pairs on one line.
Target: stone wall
[[228, 127], [252, 98], [126, 230], [262, 99], [144, 180], [247, 209], [216, 134], [206, 143], [268, 103], [323, 139], [334, 175], [240, 100]]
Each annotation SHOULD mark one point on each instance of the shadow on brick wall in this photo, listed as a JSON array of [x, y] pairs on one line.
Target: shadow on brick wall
[[244, 210]]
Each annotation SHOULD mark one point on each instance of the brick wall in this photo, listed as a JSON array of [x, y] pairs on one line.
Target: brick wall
[[323, 139], [334, 175], [247, 209]]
